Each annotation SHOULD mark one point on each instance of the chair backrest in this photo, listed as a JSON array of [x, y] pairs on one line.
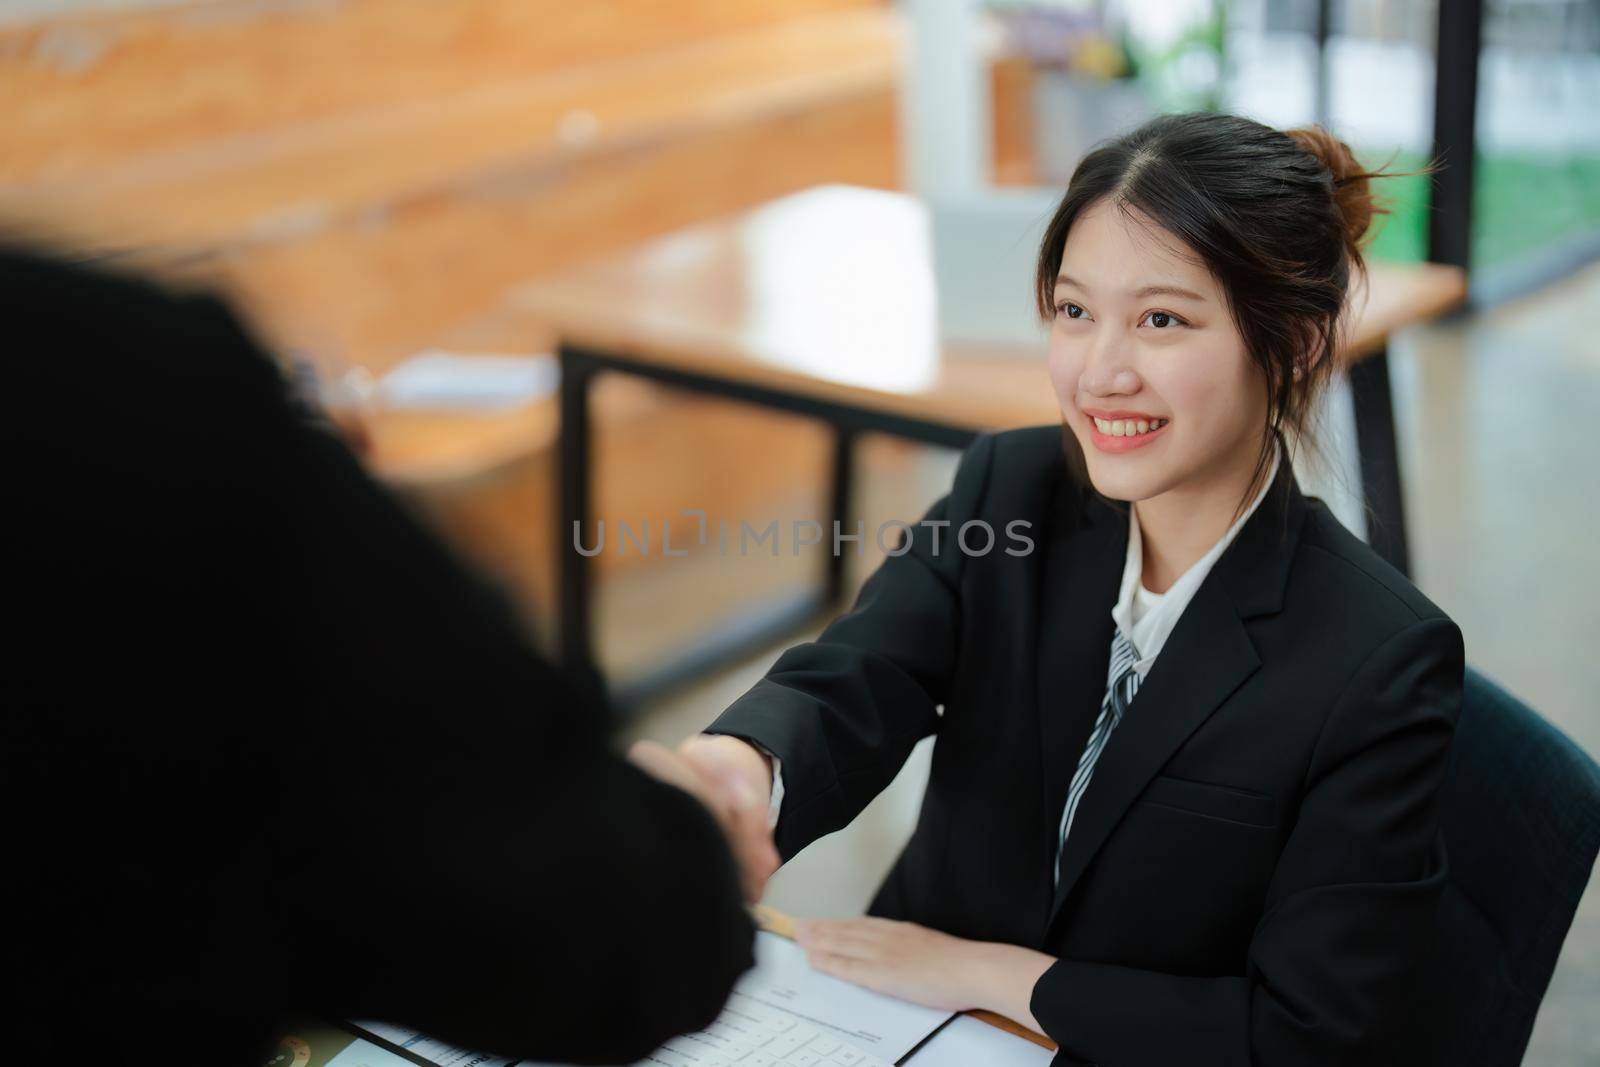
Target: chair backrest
[[1520, 815]]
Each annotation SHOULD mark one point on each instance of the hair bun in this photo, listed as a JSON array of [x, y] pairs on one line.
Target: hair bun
[[1352, 191]]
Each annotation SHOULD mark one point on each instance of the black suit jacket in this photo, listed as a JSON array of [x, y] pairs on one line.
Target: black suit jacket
[[270, 748], [1252, 875]]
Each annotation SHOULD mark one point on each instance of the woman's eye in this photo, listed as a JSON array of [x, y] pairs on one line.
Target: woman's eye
[[1161, 320], [1067, 307]]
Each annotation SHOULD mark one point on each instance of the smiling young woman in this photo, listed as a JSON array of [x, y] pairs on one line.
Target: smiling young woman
[[1183, 802]]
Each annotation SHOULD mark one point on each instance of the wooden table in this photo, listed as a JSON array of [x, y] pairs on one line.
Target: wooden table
[[823, 304]]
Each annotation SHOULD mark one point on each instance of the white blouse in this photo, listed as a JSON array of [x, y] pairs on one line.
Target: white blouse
[[1147, 618]]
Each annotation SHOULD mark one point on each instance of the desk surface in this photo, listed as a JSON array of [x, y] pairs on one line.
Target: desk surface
[[830, 293]]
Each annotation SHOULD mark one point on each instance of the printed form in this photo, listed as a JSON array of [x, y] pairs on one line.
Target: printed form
[[781, 1013]]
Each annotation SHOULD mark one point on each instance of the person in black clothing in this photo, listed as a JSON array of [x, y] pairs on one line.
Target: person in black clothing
[[271, 748]]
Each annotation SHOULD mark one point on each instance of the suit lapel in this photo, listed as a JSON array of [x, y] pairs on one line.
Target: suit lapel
[[1206, 658]]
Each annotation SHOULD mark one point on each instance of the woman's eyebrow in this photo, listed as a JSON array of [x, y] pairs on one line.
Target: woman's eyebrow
[[1148, 290]]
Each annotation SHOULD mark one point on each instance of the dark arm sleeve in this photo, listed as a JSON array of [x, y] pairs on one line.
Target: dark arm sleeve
[[466, 854], [844, 711], [457, 846], [1346, 940], [582, 913], [293, 754]]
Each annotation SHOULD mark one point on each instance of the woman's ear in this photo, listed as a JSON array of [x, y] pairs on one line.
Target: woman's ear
[[1304, 354]]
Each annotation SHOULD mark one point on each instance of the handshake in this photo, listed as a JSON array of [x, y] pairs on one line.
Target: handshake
[[733, 779]]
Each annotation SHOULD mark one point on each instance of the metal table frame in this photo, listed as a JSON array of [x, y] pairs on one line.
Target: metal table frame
[[747, 632]]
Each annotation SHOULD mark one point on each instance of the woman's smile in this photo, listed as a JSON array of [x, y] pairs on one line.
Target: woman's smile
[[1123, 431]]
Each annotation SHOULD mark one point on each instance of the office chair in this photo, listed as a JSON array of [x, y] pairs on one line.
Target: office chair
[[1520, 814]]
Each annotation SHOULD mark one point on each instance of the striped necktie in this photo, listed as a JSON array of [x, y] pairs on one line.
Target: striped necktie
[[1122, 682]]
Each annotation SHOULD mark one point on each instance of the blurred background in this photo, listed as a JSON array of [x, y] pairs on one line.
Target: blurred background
[[405, 197]]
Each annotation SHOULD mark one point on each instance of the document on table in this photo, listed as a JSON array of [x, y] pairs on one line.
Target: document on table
[[841, 1025], [317, 1044], [437, 1052], [967, 1041], [868, 1027], [883, 1026]]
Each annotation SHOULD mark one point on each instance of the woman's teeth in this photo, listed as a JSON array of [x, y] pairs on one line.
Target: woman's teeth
[[1127, 427]]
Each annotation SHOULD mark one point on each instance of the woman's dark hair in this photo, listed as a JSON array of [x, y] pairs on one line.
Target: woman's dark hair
[[1279, 218]]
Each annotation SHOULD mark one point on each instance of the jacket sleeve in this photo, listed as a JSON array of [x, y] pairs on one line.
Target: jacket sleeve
[[843, 712], [1339, 969], [577, 911], [293, 755], [464, 853]]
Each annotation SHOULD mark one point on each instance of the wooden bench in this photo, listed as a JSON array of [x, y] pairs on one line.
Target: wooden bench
[[369, 179]]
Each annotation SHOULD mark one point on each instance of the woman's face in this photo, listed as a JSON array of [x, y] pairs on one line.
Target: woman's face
[[1157, 385]]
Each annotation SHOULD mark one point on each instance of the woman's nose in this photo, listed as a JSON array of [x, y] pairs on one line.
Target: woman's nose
[[1108, 373]]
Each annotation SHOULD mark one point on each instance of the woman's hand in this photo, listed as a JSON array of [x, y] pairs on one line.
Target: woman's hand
[[734, 781], [742, 775], [925, 966]]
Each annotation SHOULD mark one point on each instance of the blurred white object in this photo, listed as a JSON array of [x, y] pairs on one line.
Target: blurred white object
[[945, 99], [985, 247], [1334, 472], [985, 239], [1072, 113], [439, 379]]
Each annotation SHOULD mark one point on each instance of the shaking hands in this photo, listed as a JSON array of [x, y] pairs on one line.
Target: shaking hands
[[733, 779]]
